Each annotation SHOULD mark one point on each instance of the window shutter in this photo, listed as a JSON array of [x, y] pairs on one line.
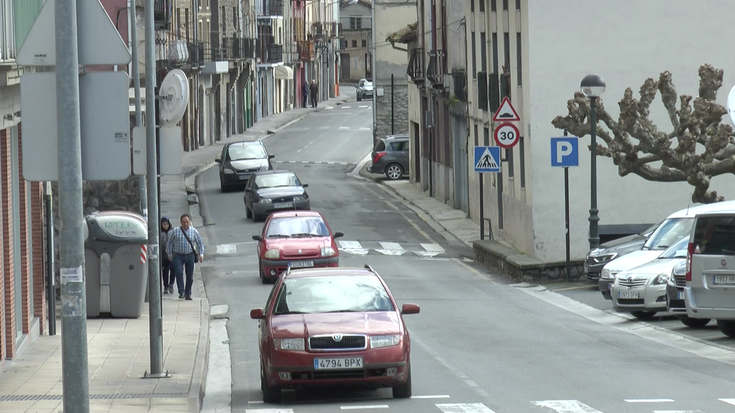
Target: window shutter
[[482, 90]]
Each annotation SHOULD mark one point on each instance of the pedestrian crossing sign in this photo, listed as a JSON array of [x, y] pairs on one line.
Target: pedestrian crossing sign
[[487, 159]]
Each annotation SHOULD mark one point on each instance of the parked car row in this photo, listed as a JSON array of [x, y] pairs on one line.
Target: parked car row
[[322, 324], [686, 268]]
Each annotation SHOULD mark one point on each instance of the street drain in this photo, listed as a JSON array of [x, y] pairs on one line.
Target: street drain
[[38, 397]]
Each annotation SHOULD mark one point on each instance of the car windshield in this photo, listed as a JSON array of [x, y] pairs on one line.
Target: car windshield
[[670, 231], [647, 233], [340, 294], [275, 180], [297, 226], [678, 250], [239, 152]]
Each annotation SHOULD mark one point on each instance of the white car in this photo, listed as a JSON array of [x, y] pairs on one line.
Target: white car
[[641, 291]]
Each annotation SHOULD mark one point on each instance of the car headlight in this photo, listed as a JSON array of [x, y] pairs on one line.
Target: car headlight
[[300, 198], [228, 171], [264, 167], [264, 201], [604, 258], [595, 252], [605, 273], [662, 278], [328, 252], [289, 343], [273, 253], [384, 341]]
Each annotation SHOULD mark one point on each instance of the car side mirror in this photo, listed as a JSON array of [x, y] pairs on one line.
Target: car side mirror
[[407, 309], [257, 314], [338, 234], [271, 156], [257, 238], [217, 160], [248, 190], [305, 185]]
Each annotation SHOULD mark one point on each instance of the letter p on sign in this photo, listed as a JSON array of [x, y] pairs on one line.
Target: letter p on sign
[[564, 151]]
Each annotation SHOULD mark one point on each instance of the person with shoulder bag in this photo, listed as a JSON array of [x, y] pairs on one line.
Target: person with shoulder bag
[[185, 247], [167, 276]]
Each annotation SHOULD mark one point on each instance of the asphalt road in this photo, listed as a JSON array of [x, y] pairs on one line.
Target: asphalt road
[[480, 343]]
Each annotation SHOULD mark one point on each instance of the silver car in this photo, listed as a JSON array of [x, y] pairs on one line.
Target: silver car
[[364, 89]]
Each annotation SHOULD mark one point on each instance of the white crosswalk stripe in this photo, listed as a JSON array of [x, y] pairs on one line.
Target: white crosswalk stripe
[[464, 408], [391, 248], [353, 247], [566, 406]]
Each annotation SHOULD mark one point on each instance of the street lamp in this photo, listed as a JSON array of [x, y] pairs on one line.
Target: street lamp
[[593, 86]]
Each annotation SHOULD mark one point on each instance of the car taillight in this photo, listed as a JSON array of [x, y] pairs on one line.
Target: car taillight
[[377, 156], [690, 251]]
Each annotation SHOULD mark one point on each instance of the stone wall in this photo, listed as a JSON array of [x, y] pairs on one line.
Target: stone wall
[[510, 263], [383, 111]]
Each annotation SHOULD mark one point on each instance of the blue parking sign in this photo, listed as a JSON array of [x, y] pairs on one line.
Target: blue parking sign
[[565, 151]]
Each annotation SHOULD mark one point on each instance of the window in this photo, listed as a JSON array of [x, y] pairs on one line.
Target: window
[[474, 57], [486, 141], [509, 159], [472, 5], [234, 19], [483, 52], [495, 53], [518, 4], [477, 137], [355, 23], [482, 6], [354, 43], [505, 5], [506, 52], [522, 156], [344, 44], [493, 6], [519, 60], [364, 43]]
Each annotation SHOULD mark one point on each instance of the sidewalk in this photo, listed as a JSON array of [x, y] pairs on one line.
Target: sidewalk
[[118, 349]]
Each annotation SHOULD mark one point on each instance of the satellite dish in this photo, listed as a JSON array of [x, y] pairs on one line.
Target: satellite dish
[[731, 104], [174, 94]]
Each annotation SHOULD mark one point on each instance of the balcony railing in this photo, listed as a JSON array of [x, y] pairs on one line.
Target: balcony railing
[[162, 12], [460, 89], [237, 48], [268, 51], [196, 54], [306, 50], [416, 65], [269, 8], [435, 69], [336, 29]]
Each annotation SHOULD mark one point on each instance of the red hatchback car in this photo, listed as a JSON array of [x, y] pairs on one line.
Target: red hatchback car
[[296, 239], [333, 327]]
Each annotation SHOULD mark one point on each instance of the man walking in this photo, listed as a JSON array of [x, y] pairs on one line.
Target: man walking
[[304, 93], [185, 246], [313, 92]]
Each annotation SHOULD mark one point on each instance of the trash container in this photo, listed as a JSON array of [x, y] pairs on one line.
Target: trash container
[[116, 266]]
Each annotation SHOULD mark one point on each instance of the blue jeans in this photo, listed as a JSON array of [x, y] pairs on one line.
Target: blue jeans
[[180, 261]]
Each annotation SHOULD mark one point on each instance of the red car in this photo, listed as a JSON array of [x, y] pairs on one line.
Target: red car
[[333, 327], [299, 239]]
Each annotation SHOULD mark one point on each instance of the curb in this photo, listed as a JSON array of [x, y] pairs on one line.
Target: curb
[[201, 367]]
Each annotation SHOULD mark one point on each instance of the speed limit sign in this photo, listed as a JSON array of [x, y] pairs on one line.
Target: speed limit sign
[[506, 135]]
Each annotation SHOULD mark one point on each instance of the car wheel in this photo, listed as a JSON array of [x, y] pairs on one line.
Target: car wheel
[[694, 322], [643, 315], [270, 395], [222, 186], [248, 214], [727, 327], [394, 171], [404, 390]]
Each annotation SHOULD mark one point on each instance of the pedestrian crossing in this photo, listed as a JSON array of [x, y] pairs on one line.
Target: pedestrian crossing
[[559, 406], [348, 107], [355, 247]]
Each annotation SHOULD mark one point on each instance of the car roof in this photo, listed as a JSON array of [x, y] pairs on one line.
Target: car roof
[[724, 206], [244, 143], [299, 213], [329, 271], [273, 172]]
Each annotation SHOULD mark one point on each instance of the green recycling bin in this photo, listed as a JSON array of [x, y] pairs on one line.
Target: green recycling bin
[[116, 263]]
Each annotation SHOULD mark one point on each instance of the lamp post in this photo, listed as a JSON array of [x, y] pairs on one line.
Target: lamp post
[[593, 86]]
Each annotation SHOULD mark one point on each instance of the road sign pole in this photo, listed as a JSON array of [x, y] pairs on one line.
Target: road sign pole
[[74, 356], [482, 210], [133, 30], [566, 215], [154, 275]]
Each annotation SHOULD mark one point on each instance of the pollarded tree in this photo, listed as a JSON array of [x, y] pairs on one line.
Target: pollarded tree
[[698, 147]]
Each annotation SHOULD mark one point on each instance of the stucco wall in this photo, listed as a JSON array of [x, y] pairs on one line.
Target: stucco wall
[[629, 41]]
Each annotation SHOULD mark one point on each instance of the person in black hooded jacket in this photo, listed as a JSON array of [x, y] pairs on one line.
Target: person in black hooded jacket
[[167, 276]]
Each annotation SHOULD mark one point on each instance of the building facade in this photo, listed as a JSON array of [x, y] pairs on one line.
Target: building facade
[[357, 42]]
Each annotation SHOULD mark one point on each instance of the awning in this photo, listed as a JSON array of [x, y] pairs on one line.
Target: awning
[[284, 72]]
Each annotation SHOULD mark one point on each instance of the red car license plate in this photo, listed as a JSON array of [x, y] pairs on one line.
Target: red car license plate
[[338, 363]]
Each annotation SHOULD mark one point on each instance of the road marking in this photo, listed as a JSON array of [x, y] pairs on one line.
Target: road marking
[[364, 106], [391, 248], [432, 250], [677, 411], [730, 401], [366, 128], [226, 249], [346, 107], [464, 408], [566, 406], [344, 127], [648, 400], [432, 396], [268, 410], [353, 247], [324, 127], [373, 406], [329, 107]]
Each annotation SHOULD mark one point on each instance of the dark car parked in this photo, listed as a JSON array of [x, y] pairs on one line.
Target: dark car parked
[[390, 157], [598, 257], [675, 297], [268, 191], [240, 159]]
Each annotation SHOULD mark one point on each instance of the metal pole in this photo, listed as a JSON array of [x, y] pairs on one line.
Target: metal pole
[[133, 29], [500, 193], [154, 275], [566, 216], [48, 211], [75, 369], [392, 117], [594, 235], [482, 210]]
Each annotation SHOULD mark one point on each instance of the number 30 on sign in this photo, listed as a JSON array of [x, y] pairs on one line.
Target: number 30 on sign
[[506, 135]]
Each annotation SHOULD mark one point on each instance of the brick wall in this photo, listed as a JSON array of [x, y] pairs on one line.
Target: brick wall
[[6, 220], [38, 256], [24, 266]]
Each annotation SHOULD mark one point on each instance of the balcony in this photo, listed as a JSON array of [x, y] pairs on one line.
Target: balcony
[[460, 86], [269, 8], [162, 12], [416, 65], [306, 50], [196, 54], [317, 31], [268, 51], [336, 30], [436, 68], [237, 48]]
